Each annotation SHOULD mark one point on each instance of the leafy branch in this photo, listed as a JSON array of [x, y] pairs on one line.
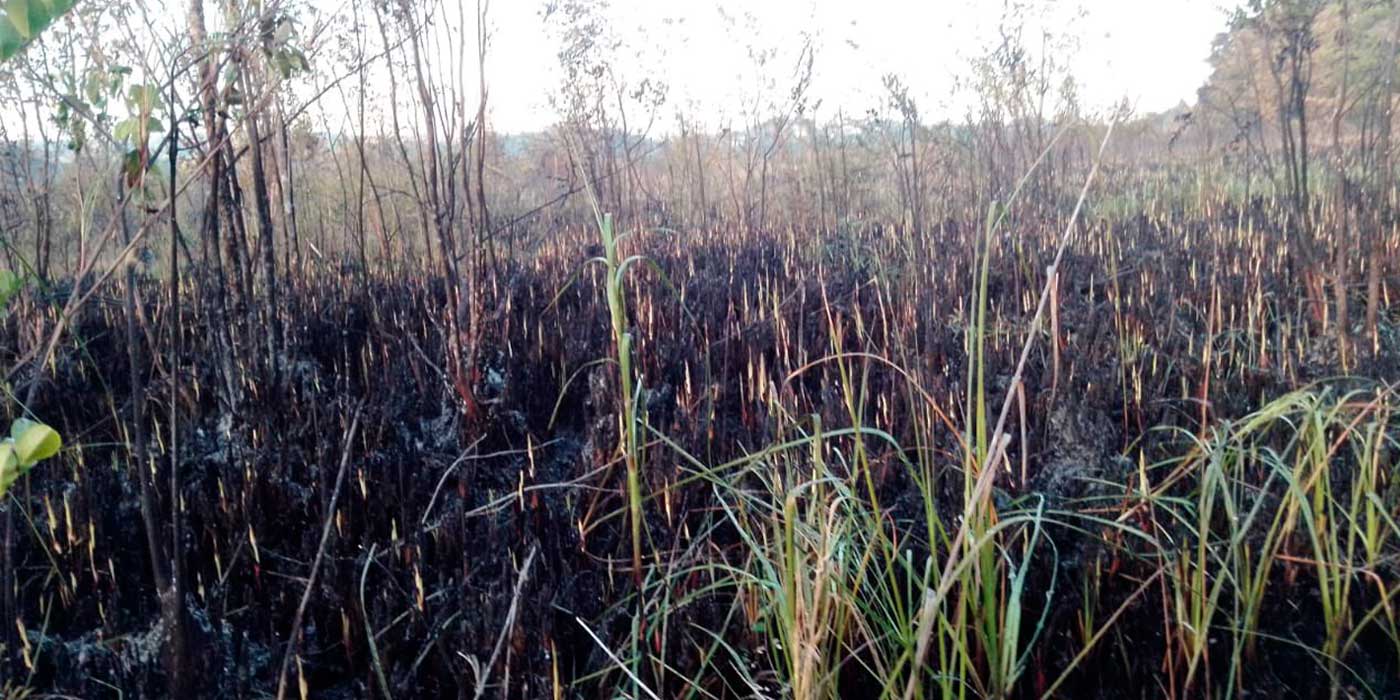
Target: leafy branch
[[22, 21]]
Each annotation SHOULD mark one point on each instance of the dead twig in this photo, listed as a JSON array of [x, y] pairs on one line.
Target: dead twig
[[295, 635], [483, 675], [999, 439]]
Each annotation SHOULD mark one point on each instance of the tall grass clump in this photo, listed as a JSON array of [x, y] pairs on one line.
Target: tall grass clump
[[1292, 498], [615, 268], [851, 594]]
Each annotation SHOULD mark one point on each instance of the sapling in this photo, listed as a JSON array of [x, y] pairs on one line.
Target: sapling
[[28, 444]]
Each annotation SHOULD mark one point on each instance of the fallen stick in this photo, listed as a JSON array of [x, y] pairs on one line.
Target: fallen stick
[[295, 635], [484, 676]]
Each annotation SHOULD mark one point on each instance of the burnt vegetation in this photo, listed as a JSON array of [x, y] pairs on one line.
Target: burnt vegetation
[[365, 395]]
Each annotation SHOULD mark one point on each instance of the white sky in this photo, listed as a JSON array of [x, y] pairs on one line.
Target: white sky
[[1152, 52]]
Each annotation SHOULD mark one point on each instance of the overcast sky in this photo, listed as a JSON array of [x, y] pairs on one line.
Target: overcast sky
[[1153, 52]]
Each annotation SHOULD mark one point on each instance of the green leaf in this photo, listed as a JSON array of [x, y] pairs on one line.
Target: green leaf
[[57, 8], [34, 442], [79, 134], [23, 20], [9, 467], [10, 40], [290, 61], [39, 16], [18, 12], [135, 131], [92, 86], [10, 284], [18, 427], [144, 98], [125, 130]]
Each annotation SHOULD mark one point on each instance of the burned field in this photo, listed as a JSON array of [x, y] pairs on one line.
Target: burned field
[[1193, 491], [798, 349]]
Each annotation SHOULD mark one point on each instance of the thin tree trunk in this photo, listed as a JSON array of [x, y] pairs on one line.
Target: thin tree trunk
[[176, 666], [263, 205], [176, 611], [289, 200]]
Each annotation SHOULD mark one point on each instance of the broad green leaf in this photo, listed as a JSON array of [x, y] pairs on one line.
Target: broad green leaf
[[125, 130], [23, 20], [34, 442], [9, 467], [291, 61], [10, 284], [10, 40], [92, 86], [18, 13], [144, 98], [19, 426], [39, 16]]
